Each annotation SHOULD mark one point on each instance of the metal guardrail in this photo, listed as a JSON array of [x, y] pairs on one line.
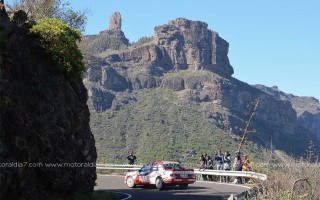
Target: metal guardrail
[[247, 174], [118, 167]]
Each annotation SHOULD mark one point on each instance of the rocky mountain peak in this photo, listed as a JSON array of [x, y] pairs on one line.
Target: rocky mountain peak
[[115, 22], [181, 44], [194, 46]]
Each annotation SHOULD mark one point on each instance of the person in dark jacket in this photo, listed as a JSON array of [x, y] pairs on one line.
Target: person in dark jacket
[[209, 166], [201, 162], [227, 165], [219, 159], [131, 158], [205, 159]]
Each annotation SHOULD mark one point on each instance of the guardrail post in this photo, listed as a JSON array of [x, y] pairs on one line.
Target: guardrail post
[[231, 197]]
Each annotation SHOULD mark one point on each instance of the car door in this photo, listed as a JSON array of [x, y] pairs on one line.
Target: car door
[[154, 173], [144, 173]]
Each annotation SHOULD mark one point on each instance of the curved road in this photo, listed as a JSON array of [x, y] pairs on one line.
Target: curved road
[[198, 190]]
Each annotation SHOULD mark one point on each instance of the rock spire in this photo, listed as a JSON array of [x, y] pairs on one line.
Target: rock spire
[[115, 22]]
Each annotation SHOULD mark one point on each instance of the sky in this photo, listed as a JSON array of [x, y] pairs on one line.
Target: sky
[[274, 43]]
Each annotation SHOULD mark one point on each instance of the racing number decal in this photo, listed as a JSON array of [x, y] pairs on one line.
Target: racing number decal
[[144, 177]]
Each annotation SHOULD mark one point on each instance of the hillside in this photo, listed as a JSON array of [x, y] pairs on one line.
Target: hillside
[[175, 94], [307, 108]]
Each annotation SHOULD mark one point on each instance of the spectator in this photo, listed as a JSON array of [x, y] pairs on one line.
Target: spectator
[[246, 166], [237, 166], [131, 158], [209, 166], [201, 161], [245, 163], [227, 165], [219, 159], [205, 159], [209, 163]]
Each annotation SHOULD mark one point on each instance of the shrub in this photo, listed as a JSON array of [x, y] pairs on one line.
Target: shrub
[[294, 180], [60, 42]]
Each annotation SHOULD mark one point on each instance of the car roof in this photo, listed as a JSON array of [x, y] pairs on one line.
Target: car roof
[[166, 162]]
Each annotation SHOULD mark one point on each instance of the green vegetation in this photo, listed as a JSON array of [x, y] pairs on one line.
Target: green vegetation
[[158, 127], [60, 41], [102, 43], [58, 9], [142, 40]]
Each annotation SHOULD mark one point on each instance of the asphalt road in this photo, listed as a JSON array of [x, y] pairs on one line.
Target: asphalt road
[[198, 190]]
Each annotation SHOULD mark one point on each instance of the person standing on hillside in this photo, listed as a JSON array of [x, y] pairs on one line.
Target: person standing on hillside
[[201, 162], [205, 159], [237, 166], [227, 165], [246, 166], [131, 158], [246, 162], [209, 166], [219, 158]]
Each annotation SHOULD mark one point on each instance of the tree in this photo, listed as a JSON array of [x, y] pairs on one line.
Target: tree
[[38, 9], [61, 42]]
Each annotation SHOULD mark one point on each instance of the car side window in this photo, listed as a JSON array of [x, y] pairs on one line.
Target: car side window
[[155, 167]]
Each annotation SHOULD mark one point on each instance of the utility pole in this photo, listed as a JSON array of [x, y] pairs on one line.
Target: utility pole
[[246, 130]]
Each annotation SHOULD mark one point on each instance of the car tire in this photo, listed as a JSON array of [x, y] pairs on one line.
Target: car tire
[[159, 183], [183, 186], [130, 182]]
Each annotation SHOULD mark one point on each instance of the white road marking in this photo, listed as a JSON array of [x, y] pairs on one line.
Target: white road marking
[[129, 195]]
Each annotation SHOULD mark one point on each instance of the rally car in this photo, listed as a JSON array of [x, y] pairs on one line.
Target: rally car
[[160, 174]]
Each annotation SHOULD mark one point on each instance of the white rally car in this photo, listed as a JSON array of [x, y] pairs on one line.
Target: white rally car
[[160, 174]]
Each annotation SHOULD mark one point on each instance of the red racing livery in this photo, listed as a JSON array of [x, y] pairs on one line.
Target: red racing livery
[[160, 174]]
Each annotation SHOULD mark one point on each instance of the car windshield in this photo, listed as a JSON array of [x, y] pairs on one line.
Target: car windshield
[[172, 166], [146, 167]]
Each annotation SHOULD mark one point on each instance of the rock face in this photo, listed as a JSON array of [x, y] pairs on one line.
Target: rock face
[[191, 61], [191, 45], [307, 108], [44, 120], [115, 22], [181, 45]]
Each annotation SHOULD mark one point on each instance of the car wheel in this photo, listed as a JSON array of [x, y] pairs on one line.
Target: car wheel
[[159, 183], [183, 186], [130, 182]]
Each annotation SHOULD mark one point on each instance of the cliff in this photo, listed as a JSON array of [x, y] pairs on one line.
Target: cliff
[[180, 45], [183, 69], [44, 120], [307, 108]]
